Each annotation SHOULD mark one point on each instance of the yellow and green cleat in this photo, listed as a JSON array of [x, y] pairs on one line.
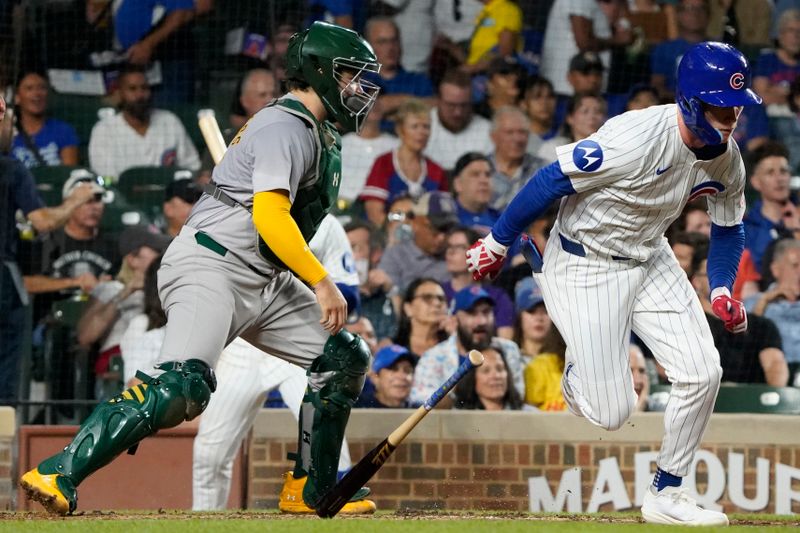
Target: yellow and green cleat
[[54, 491], [291, 499]]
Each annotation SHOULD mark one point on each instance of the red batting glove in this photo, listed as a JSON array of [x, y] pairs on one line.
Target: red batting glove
[[485, 258], [730, 311]]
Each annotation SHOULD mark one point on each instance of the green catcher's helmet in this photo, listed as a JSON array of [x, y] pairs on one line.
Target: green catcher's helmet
[[332, 60]]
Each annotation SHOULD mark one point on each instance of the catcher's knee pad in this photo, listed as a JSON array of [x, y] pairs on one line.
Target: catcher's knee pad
[[337, 376], [180, 393]]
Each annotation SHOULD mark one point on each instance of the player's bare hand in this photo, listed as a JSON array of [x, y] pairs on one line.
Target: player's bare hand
[[378, 279], [333, 305], [485, 258], [730, 311]]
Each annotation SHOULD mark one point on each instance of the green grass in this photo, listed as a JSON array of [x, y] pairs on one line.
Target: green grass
[[245, 522]]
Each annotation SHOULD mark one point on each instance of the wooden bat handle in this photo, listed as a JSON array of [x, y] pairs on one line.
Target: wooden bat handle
[[397, 436]]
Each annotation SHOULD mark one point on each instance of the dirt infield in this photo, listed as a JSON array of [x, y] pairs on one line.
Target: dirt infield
[[403, 515]]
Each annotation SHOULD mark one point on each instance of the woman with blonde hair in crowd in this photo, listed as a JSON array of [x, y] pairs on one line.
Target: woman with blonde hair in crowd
[[405, 169]]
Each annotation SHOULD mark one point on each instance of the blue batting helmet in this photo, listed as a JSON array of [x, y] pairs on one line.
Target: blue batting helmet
[[716, 74]]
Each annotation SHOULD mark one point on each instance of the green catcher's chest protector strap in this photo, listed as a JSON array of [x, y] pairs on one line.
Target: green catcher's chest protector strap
[[181, 393], [316, 198], [335, 380]]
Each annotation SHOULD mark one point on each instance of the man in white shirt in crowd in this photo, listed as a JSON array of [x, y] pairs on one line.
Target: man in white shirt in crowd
[[455, 130], [139, 135]]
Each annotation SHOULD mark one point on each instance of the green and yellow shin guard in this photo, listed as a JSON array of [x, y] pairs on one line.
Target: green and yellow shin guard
[[180, 393], [335, 380]]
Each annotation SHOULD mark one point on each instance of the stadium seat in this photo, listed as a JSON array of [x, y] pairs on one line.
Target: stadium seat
[[740, 398], [144, 187], [751, 398]]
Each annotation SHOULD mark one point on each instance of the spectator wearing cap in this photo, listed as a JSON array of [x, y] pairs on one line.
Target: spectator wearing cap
[[404, 169], [585, 76], [180, 196], [113, 303], [532, 321], [72, 259], [575, 26], [472, 185], [391, 374], [397, 85], [473, 308], [512, 165], [497, 33], [458, 242], [693, 18], [489, 387], [539, 103], [20, 195], [455, 129], [505, 79], [432, 217]]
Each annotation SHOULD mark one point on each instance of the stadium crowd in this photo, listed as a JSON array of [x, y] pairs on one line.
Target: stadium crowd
[[475, 97]]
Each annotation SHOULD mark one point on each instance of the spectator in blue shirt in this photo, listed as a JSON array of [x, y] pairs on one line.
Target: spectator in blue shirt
[[397, 85], [776, 69], [144, 36], [472, 185], [773, 215], [40, 141], [18, 192], [693, 18]]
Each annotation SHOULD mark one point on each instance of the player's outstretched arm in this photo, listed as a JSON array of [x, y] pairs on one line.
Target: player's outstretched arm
[[485, 257]]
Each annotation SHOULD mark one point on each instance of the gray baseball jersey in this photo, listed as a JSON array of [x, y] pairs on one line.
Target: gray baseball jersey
[[274, 150]]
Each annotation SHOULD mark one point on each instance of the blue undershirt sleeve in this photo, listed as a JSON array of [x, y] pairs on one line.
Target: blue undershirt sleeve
[[547, 185], [724, 253]]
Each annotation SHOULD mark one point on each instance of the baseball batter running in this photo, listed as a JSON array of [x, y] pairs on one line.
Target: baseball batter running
[[607, 268], [229, 273]]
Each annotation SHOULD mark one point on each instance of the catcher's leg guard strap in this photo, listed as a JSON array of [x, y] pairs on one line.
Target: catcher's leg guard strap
[[180, 393], [335, 380]]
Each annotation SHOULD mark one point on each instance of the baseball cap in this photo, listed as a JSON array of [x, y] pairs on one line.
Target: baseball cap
[[503, 65], [439, 207], [185, 189], [527, 295], [389, 355], [134, 237], [586, 62], [83, 175], [466, 298]]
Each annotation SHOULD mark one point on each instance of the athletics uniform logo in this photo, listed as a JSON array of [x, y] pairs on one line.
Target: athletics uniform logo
[[587, 156], [737, 80]]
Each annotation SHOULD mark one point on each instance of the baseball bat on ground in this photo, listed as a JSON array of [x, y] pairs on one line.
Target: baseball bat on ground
[[332, 502], [211, 134]]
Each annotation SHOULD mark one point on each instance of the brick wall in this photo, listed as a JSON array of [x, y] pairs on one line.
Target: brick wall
[[438, 468]]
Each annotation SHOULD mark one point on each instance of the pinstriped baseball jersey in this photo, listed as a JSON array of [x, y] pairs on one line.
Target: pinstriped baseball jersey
[[633, 178]]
